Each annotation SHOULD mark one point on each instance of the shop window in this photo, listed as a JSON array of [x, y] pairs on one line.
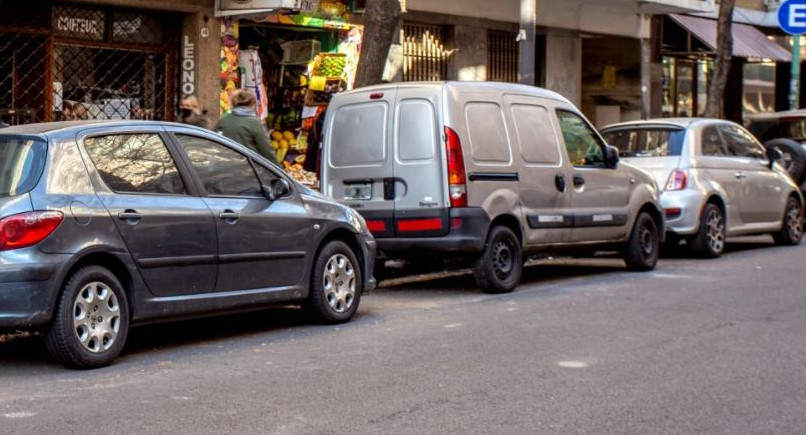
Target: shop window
[[135, 163], [489, 140], [535, 134], [759, 88], [502, 56], [78, 62], [425, 53]]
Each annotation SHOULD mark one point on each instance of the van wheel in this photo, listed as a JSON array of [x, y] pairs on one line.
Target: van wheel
[[336, 284], [91, 321], [710, 240], [792, 231], [499, 268], [643, 248]]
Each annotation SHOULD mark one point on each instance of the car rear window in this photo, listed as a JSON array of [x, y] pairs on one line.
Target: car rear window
[[21, 163], [791, 128], [646, 142]]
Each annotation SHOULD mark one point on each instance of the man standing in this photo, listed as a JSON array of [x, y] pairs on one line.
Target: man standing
[[244, 127]]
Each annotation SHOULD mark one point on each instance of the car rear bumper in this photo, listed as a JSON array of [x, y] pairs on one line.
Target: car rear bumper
[[29, 283], [689, 203], [468, 233]]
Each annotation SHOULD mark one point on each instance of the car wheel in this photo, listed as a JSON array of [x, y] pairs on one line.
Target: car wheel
[[91, 321], [792, 231], [643, 247], [711, 237], [794, 157], [336, 285], [499, 268]]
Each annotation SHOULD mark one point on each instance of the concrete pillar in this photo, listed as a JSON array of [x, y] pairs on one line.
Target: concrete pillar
[[469, 61], [564, 63], [199, 55]]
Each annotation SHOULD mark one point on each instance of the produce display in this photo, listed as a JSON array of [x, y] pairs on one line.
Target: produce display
[[332, 65]]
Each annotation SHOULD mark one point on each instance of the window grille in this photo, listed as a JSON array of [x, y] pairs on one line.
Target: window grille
[[502, 56], [425, 53]]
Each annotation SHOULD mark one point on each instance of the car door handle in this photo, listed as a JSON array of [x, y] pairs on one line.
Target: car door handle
[[579, 181], [229, 216], [741, 175], [559, 182], [130, 216]]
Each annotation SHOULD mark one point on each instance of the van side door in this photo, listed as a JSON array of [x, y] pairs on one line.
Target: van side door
[[545, 179], [357, 163], [600, 195]]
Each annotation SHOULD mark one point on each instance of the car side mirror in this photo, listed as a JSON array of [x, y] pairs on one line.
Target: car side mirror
[[279, 188], [611, 156], [774, 155]]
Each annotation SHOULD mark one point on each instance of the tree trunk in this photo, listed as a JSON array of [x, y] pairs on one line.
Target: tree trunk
[[381, 20], [724, 53]]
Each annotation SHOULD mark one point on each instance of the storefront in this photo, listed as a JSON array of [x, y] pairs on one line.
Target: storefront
[[64, 61], [687, 50], [293, 61]]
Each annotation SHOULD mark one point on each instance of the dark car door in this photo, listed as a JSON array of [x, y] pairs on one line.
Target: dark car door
[[262, 244], [169, 232]]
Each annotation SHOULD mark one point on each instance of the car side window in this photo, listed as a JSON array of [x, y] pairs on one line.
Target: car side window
[[712, 144], [223, 171], [135, 163], [583, 144], [740, 143]]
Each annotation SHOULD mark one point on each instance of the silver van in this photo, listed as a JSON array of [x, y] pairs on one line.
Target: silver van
[[485, 171]]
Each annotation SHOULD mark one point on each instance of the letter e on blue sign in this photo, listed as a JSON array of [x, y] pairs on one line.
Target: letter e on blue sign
[[792, 17]]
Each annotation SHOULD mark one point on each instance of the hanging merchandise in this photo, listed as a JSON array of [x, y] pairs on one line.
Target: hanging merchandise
[[252, 80], [229, 63]]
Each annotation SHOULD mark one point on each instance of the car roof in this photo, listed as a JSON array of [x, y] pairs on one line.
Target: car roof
[[470, 86], [68, 128], [683, 123]]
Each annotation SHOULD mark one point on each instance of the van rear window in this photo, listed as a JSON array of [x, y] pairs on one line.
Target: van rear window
[[358, 135], [646, 142], [21, 164]]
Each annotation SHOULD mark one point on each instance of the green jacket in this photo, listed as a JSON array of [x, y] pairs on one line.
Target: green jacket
[[248, 131]]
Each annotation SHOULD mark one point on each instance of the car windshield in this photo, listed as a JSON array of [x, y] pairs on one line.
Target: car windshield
[[21, 163], [646, 142]]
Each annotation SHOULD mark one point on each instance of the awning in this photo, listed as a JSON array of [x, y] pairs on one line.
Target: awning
[[244, 8], [748, 41]]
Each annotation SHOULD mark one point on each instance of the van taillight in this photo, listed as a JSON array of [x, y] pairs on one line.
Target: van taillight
[[27, 229], [678, 180], [457, 179]]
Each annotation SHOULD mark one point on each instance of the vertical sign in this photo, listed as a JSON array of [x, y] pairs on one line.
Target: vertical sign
[[188, 67], [792, 20]]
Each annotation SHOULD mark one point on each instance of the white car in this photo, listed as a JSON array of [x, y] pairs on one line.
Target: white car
[[717, 181]]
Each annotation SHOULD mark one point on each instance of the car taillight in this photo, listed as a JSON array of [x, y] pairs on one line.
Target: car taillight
[[27, 229], [457, 179], [678, 180]]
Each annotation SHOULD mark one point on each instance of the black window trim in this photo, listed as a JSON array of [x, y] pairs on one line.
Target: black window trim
[[190, 190]]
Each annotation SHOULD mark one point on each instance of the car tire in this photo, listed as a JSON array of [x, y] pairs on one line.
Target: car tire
[[91, 321], [498, 270], [643, 248], [336, 284], [794, 157], [710, 240], [792, 231]]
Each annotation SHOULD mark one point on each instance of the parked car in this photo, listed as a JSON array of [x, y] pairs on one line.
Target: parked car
[[718, 180], [108, 225], [486, 171], [786, 132]]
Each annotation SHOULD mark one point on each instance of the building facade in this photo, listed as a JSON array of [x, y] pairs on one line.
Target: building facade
[[113, 59]]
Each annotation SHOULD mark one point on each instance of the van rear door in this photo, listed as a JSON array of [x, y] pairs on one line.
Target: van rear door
[[358, 168], [421, 209]]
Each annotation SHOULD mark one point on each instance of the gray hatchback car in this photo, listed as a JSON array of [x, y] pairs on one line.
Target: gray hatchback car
[[107, 225]]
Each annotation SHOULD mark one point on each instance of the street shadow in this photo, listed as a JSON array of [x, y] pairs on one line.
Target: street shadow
[[734, 246]]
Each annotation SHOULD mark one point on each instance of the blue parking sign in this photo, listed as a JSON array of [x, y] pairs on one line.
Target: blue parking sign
[[792, 17]]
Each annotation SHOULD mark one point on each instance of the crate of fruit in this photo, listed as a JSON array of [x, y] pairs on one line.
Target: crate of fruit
[[330, 65]]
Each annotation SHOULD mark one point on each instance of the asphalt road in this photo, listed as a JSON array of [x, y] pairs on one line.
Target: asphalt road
[[713, 347]]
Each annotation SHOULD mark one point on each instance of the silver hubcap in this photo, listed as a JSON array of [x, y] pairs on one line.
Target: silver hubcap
[[794, 220], [715, 231], [96, 317], [786, 160], [339, 283]]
